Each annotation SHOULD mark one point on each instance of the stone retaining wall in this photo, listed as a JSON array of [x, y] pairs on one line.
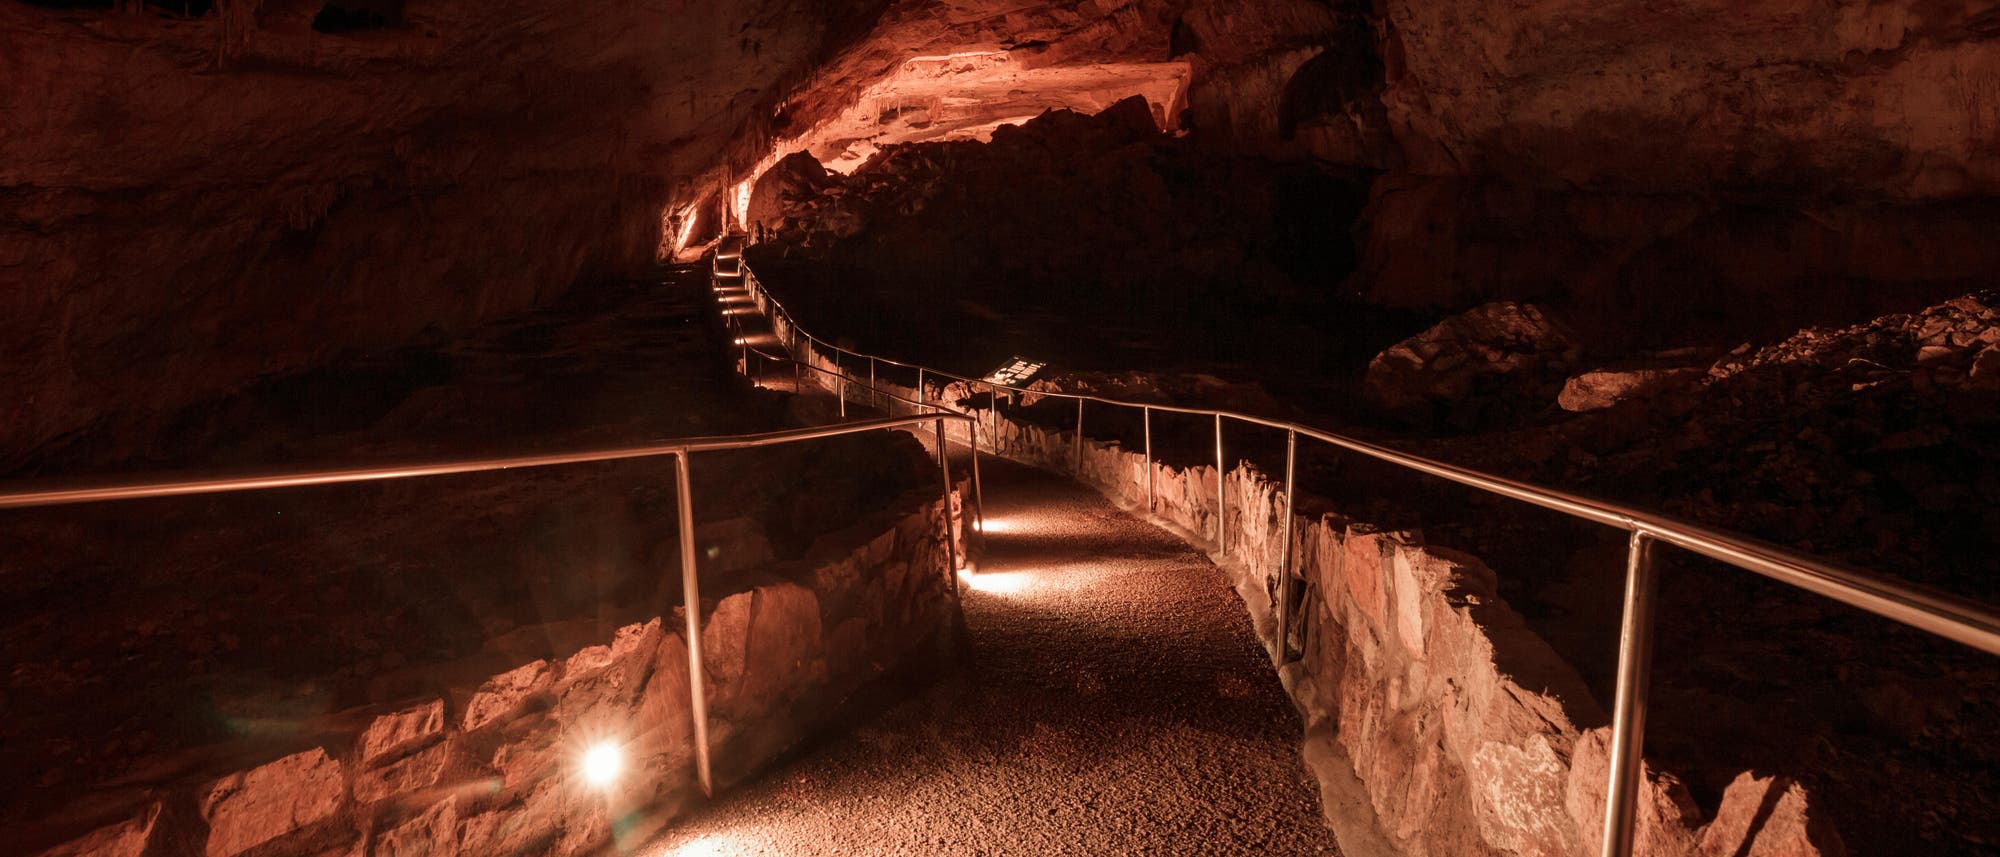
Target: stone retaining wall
[[1466, 733], [492, 767]]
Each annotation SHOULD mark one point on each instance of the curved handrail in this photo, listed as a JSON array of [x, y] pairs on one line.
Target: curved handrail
[[1949, 616], [972, 424], [681, 449], [19, 496], [1960, 619]]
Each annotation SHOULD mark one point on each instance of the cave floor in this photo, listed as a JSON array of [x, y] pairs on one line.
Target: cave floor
[[1114, 701]]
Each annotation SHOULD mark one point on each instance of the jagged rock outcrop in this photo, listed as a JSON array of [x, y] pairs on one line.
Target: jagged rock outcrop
[[1475, 367], [1883, 99]]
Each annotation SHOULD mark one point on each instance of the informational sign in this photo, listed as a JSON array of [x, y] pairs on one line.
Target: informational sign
[[1019, 371]]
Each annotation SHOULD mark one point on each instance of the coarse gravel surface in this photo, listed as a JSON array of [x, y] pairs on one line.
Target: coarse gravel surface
[[1113, 701]]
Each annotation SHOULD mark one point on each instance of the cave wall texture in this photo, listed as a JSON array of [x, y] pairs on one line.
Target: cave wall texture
[[186, 204], [190, 202]]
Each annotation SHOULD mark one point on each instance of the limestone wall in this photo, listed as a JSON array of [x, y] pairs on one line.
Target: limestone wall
[[492, 766]]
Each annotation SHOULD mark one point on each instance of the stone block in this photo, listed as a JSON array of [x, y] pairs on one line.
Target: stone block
[[126, 838], [253, 807], [762, 648], [602, 683], [421, 770], [392, 735], [847, 648], [431, 833], [503, 695]]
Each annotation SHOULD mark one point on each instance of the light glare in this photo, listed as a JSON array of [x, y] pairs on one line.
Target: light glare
[[998, 583], [601, 764]]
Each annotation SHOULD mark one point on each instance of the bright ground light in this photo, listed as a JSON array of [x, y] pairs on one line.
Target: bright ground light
[[601, 764]]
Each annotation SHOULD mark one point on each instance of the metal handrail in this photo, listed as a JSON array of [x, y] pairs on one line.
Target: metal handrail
[[972, 424], [1952, 617], [682, 450]]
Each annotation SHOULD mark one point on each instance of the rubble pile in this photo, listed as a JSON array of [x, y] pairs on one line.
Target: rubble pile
[[1879, 442]]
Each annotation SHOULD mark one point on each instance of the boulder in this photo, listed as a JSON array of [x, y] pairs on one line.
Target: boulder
[[786, 190], [1601, 388], [1470, 369]]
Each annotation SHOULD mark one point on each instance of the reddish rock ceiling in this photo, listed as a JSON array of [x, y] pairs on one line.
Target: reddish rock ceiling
[[238, 193], [966, 95]]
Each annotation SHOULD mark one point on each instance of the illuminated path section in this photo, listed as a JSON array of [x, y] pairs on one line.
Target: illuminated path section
[[1114, 702]]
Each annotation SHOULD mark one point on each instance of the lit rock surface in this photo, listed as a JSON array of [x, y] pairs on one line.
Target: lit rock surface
[[1494, 357], [1601, 388], [128, 838], [1890, 98], [257, 806], [1116, 702]]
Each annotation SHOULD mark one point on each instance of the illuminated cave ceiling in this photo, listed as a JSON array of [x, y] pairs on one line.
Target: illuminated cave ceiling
[[189, 203], [966, 95]]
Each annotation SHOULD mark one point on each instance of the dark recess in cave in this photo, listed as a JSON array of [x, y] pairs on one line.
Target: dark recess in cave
[[346, 16], [182, 8], [1182, 40]]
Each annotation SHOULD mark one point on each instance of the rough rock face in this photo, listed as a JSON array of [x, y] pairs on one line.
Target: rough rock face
[[1471, 367], [1663, 269], [1084, 241], [1865, 444], [1888, 99], [265, 185], [1601, 388], [785, 188], [188, 203]]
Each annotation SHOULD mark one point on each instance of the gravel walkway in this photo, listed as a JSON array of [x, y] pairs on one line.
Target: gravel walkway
[[1115, 702]]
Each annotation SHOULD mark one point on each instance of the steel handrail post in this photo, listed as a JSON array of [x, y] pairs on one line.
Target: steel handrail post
[[1221, 494], [1628, 717], [1285, 552], [950, 538], [691, 598], [1148, 412], [1077, 441]]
